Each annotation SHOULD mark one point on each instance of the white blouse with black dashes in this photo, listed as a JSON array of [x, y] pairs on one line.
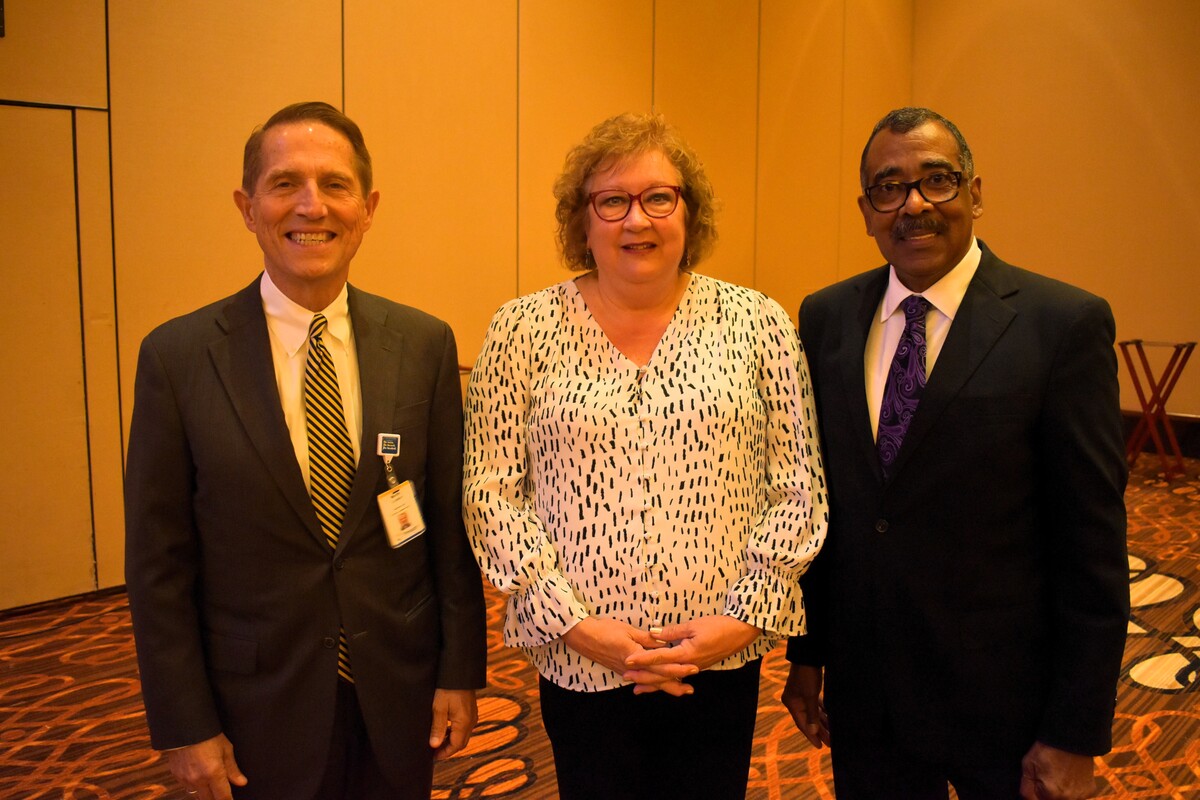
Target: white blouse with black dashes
[[687, 488]]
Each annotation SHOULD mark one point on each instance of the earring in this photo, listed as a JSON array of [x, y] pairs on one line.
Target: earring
[[687, 259], [589, 261]]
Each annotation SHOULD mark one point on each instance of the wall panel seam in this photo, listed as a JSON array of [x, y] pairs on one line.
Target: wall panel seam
[[83, 372], [839, 271], [757, 145], [112, 245], [653, 53], [517, 149], [52, 106]]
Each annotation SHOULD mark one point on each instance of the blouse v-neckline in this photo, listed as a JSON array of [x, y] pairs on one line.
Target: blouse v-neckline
[[676, 323]]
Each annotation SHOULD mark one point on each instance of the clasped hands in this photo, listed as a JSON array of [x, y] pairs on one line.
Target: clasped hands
[[657, 660]]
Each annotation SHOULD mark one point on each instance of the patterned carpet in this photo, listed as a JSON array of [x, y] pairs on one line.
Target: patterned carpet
[[72, 727]]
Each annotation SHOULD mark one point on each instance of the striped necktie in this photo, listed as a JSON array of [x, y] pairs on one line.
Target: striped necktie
[[330, 454]]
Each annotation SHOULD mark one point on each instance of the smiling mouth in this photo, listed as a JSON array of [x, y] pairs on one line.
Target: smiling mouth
[[638, 246], [310, 239]]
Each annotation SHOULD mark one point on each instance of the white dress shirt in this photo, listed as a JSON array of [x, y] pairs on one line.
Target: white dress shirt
[[288, 323], [883, 338]]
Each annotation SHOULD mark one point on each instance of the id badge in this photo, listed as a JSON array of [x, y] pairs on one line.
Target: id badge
[[401, 514]]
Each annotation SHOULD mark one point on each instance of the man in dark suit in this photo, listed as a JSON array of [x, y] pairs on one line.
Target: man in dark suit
[[292, 647], [970, 604]]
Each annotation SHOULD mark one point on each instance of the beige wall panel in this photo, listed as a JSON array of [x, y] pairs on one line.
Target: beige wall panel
[[100, 345], [801, 168], [189, 83], [434, 88], [53, 51], [1082, 116], [580, 63], [878, 78], [45, 507], [706, 83]]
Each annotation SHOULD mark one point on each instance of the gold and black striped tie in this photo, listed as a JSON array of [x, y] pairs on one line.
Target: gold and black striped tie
[[330, 454]]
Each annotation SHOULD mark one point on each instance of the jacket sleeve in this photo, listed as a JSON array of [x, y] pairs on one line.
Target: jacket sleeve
[[1083, 474], [811, 647], [162, 561], [463, 660]]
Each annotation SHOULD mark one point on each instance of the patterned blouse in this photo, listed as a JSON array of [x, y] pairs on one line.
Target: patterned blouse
[[690, 487]]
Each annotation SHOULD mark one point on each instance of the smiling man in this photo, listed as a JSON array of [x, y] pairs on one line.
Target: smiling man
[[296, 637], [967, 614]]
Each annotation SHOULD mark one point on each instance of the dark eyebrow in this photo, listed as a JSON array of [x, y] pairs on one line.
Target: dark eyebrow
[[930, 164], [883, 174]]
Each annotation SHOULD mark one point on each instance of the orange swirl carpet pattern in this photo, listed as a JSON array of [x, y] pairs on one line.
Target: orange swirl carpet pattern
[[72, 726]]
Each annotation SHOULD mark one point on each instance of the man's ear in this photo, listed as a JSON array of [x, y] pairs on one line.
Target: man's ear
[[245, 205], [371, 203], [865, 208]]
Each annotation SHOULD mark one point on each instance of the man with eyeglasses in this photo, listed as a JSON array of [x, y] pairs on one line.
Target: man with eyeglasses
[[967, 614]]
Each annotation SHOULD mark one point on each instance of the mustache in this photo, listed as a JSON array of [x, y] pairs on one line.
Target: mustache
[[907, 226]]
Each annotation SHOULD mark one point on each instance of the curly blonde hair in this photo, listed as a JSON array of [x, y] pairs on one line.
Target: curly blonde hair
[[614, 140]]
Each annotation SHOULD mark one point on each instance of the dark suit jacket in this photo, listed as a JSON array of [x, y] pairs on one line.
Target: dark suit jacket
[[976, 601], [235, 595]]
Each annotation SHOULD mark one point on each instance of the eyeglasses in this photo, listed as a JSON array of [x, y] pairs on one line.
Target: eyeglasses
[[937, 187], [612, 205]]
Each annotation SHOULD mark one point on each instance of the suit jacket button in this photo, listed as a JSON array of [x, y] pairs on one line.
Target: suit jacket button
[[339, 563], [329, 642], [881, 526]]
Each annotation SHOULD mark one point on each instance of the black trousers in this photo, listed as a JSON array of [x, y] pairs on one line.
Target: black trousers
[[352, 770], [615, 745], [883, 767]]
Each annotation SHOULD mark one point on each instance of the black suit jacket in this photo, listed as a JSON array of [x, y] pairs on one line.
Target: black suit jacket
[[235, 595], [977, 600]]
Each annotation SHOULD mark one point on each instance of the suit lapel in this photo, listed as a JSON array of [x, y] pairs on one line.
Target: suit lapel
[[854, 337], [981, 319], [243, 362], [379, 350]]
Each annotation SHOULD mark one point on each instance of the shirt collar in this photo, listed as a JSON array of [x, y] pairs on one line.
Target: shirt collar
[[290, 321], [946, 295]]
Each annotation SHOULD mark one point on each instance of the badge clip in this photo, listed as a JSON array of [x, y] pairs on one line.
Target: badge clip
[[388, 447]]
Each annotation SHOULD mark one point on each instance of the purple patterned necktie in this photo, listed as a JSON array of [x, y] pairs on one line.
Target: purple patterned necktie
[[905, 380]]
